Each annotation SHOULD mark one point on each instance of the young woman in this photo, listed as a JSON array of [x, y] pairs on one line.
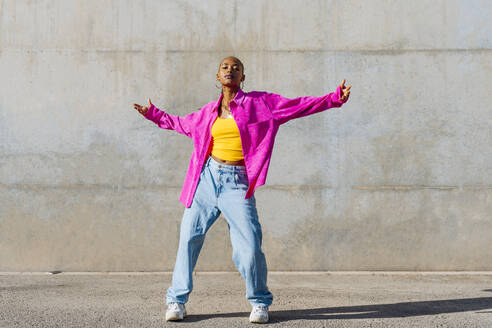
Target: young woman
[[233, 142]]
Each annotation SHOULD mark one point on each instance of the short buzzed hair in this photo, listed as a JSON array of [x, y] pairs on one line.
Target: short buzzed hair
[[235, 58]]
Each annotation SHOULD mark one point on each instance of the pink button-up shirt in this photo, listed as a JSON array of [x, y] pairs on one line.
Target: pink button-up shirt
[[258, 116]]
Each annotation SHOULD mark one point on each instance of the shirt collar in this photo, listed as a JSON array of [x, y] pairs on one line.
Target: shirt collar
[[238, 99]]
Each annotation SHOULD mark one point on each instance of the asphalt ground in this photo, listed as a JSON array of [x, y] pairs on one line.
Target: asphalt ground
[[301, 299]]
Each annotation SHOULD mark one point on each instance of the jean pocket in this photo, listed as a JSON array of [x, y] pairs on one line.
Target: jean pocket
[[241, 180]]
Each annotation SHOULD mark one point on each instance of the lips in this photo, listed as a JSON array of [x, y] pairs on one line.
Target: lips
[[228, 76]]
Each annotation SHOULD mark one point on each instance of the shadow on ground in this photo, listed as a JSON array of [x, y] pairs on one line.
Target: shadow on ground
[[394, 310]]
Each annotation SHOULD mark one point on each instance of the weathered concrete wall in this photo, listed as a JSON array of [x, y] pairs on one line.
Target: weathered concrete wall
[[399, 178]]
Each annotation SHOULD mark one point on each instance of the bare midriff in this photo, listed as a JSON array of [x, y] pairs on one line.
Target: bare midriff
[[241, 162]]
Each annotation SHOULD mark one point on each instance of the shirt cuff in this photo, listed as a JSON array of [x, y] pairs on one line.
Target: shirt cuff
[[337, 95], [150, 112]]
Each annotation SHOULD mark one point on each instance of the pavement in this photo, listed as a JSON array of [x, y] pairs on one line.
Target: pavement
[[301, 299]]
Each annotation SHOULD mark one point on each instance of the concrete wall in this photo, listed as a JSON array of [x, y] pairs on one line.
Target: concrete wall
[[399, 178]]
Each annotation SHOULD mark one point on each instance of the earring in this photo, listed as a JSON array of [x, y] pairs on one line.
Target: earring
[[218, 87]]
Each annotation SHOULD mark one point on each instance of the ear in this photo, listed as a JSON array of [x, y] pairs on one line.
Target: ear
[[242, 79], [217, 76]]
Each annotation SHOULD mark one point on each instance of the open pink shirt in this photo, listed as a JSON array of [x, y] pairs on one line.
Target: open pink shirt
[[258, 116]]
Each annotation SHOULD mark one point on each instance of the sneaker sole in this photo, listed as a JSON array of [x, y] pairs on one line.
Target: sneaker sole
[[258, 320], [175, 317]]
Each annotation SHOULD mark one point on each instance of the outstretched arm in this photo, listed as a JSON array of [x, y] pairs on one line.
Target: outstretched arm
[[167, 121], [285, 109]]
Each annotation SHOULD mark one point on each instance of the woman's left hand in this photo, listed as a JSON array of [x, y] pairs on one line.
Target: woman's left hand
[[345, 91]]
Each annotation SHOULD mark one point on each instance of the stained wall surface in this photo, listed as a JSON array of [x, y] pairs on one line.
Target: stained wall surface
[[399, 178]]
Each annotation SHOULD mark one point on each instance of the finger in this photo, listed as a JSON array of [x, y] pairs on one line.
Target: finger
[[148, 99], [343, 84]]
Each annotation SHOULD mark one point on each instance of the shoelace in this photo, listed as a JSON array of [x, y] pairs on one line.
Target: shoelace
[[173, 307], [260, 308]]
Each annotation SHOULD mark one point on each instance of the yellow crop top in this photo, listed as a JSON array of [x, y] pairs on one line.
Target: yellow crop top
[[226, 140]]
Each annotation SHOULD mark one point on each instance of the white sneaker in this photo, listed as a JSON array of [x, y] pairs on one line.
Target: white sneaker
[[175, 311], [259, 314]]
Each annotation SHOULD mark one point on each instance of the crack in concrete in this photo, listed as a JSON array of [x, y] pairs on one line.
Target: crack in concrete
[[265, 187], [378, 52]]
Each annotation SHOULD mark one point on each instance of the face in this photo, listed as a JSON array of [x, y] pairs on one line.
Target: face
[[230, 73]]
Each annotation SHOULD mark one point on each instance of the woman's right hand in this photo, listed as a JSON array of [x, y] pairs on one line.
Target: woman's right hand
[[142, 109]]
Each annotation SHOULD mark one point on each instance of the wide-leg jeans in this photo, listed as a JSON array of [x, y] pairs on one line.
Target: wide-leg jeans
[[221, 189]]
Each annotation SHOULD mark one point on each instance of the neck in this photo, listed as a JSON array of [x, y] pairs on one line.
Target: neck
[[229, 93]]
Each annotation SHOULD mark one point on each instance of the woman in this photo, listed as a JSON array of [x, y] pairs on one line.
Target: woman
[[233, 142]]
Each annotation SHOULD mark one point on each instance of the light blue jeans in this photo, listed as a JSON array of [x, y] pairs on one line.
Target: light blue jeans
[[221, 189]]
